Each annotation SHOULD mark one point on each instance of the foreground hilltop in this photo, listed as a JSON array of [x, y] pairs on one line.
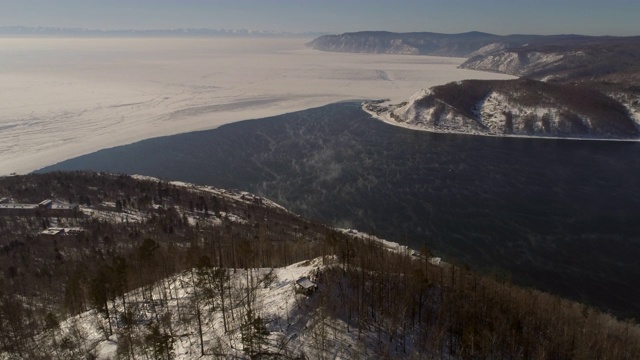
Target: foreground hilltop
[[172, 270]]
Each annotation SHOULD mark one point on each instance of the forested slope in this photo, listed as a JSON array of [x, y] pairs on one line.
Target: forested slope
[[177, 271]]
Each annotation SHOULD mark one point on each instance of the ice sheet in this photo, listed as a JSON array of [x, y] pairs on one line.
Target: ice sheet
[[61, 98]]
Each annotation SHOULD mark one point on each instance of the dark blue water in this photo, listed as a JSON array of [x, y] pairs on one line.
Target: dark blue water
[[560, 215]]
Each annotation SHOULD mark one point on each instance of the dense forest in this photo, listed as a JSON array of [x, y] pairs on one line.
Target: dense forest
[[142, 241]]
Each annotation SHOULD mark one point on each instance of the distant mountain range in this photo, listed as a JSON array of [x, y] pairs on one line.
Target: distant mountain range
[[82, 32], [466, 45], [542, 57], [606, 60], [577, 86]]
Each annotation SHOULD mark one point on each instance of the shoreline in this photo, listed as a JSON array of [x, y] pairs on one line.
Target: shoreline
[[387, 119]]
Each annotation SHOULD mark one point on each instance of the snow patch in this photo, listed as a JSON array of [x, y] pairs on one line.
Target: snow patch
[[516, 63], [488, 49]]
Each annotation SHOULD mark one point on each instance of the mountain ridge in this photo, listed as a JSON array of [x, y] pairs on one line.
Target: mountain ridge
[[440, 44], [514, 108], [46, 31]]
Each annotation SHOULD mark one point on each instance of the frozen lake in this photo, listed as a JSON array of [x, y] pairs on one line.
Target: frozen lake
[[62, 98]]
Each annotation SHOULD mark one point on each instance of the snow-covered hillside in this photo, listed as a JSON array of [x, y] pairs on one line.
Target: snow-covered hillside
[[517, 108], [612, 61], [151, 274], [519, 62], [264, 313], [235, 195], [237, 312], [488, 49], [288, 316]]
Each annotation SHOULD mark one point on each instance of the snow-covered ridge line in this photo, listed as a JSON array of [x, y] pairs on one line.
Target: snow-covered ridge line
[[241, 196], [246, 197], [390, 245]]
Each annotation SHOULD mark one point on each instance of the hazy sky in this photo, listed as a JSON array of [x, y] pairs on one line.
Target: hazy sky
[[592, 17]]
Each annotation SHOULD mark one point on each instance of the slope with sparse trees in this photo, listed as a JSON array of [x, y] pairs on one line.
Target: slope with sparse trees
[[180, 271]]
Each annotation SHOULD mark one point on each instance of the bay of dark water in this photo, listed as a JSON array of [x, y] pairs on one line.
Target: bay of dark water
[[560, 215]]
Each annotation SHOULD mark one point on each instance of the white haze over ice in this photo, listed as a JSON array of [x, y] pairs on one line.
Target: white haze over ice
[[61, 98]]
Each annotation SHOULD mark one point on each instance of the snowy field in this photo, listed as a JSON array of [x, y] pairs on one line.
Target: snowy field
[[62, 98]]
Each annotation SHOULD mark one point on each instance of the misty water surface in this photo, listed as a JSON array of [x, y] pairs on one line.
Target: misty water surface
[[558, 215]]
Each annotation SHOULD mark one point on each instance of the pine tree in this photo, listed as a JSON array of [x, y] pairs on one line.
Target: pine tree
[[159, 343], [99, 293], [254, 335]]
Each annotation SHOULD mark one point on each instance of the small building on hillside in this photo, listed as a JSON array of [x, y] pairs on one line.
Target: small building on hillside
[[18, 209], [46, 208], [45, 204], [52, 231], [305, 286], [64, 210], [59, 232]]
